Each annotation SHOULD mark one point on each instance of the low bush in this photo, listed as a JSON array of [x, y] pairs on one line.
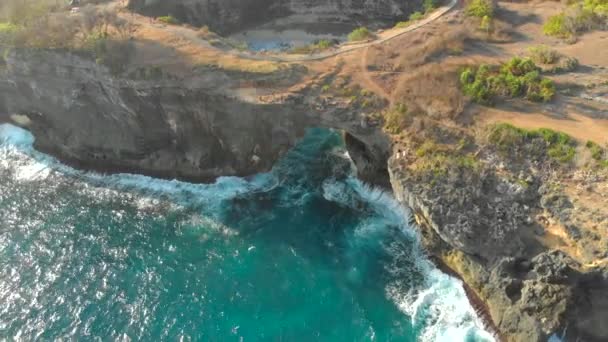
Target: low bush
[[480, 8], [168, 19], [508, 138], [579, 17], [403, 24], [556, 26], [597, 152], [516, 78], [543, 54], [397, 118], [361, 33], [416, 16], [429, 5], [438, 161]]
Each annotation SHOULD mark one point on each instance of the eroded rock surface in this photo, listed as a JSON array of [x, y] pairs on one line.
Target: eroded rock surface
[[188, 128], [225, 16]]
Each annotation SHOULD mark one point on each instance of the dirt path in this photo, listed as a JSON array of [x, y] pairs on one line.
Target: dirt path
[[368, 81]]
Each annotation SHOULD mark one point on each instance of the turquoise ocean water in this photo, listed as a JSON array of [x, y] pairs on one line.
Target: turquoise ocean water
[[303, 253]]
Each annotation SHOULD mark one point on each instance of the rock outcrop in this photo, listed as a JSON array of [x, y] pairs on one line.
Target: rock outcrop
[[226, 16], [483, 223]]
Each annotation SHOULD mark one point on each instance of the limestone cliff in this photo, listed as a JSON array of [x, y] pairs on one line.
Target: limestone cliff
[[485, 221], [187, 128], [225, 16]]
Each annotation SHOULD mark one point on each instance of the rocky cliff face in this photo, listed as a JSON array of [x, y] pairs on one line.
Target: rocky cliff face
[[482, 224], [172, 128], [225, 16]]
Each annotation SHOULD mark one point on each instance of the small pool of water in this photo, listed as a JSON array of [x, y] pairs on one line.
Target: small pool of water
[[294, 31]]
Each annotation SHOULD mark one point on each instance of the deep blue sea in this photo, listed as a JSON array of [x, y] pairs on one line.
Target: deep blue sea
[[305, 252]]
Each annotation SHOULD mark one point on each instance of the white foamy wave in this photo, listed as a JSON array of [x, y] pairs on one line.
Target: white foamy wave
[[18, 155], [440, 308]]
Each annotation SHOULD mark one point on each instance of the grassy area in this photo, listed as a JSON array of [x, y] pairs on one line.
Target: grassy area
[[519, 77], [359, 34], [508, 138], [438, 161], [579, 17]]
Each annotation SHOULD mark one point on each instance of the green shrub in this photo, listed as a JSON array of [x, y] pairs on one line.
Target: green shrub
[[543, 55], [579, 17], [429, 5], [320, 45], [168, 19], [361, 33], [556, 26], [597, 152], [480, 8], [518, 77], [403, 24], [416, 16], [397, 118]]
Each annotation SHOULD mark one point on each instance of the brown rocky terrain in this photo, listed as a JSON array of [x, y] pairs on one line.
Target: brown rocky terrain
[[526, 232]]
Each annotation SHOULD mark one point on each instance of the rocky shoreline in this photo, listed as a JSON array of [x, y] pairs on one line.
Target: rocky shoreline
[[487, 217]]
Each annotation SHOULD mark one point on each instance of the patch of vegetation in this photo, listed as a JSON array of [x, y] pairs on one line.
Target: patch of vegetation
[[429, 5], [397, 118], [508, 138], [168, 19], [359, 34], [579, 17], [599, 154], [480, 8], [516, 78], [556, 26], [416, 16], [403, 24], [542, 54], [318, 46], [437, 160]]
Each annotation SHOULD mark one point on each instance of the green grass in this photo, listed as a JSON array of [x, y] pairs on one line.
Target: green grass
[[519, 77], [480, 8], [508, 138], [359, 34]]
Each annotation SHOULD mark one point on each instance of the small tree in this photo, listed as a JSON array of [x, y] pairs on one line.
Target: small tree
[[486, 24]]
